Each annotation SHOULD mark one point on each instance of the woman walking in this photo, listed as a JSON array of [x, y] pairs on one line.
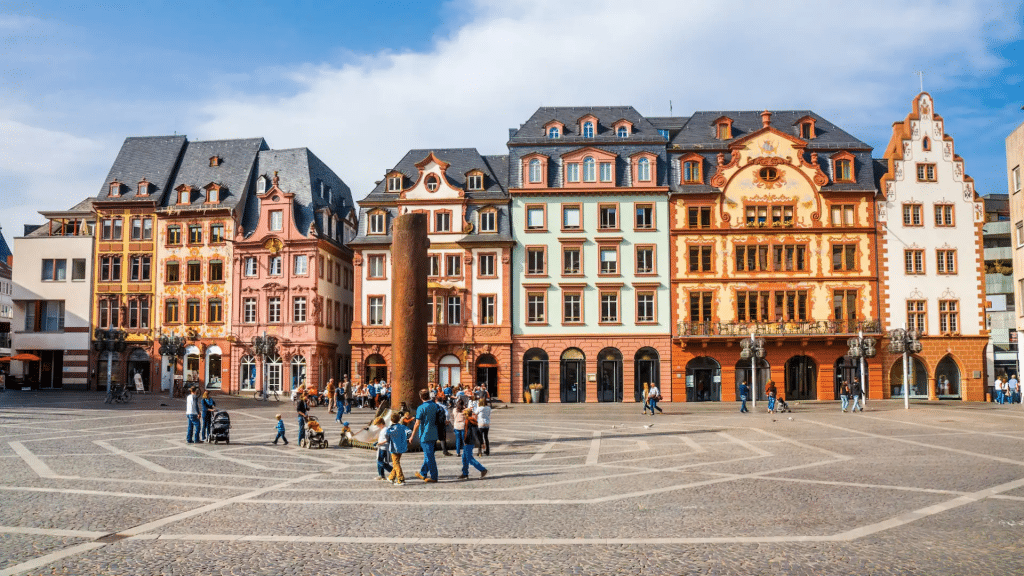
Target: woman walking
[[844, 395], [472, 437], [483, 416], [208, 407], [332, 400], [653, 397], [647, 394], [772, 392], [459, 425]]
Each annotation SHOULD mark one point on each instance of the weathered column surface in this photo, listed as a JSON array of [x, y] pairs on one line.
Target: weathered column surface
[[408, 309]]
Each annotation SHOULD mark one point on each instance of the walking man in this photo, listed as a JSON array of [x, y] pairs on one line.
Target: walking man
[[857, 391], [652, 399], [302, 412], [844, 395], [192, 413], [1012, 385], [744, 393], [426, 425]]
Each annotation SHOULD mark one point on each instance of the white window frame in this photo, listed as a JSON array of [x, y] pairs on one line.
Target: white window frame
[[276, 220]]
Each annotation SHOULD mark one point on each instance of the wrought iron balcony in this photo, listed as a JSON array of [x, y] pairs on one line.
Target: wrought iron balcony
[[810, 328]]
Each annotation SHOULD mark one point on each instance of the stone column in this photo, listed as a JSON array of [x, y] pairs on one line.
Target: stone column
[[408, 309]]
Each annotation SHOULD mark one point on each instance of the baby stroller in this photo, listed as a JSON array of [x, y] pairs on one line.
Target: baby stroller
[[314, 434], [220, 427], [781, 406]]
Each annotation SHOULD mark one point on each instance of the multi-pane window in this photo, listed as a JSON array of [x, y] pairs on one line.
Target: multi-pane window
[[534, 218], [215, 310], [453, 263], [844, 256], [844, 304], [173, 272], [782, 214], [572, 307], [195, 234], [645, 259], [217, 234], [139, 268], [487, 310], [535, 307], [916, 316], [194, 271], [609, 217], [375, 312], [791, 305], [914, 261], [571, 261], [486, 266], [174, 235], [171, 311], [110, 229], [643, 170], [606, 172], [944, 215], [78, 269], [249, 310], [475, 182], [299, 309], [700, 258], [455, 310], [375, 266], [644, 217], [434, 264], [691, 172], [488, 221], [300, 264], [110, 268], [753, 306], [142, 229], [193, 311], [276, 220], [536, 175], [949, 317], [535, 261], [216, 271], [376, 223], [699, 217], [609, 260], [844, 171], [609, 307], [945, 261], [572, 172], [571, 217], [250, 266], [138, 312], [274, 265], [700, 306], [756, 215], [274, 309], [588, 129], [912, 215], [843, 215], [751, 258], [789, 257], [645, 306], [1016, 178], [55, 270], [926, 172], [442, 221], [109, 314], [394, 184]]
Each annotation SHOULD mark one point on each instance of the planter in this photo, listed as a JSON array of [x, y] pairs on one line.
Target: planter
[[535, 396]]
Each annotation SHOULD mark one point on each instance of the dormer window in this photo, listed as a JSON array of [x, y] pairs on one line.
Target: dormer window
[[328, 194], [432, 183], [395, 183], [261, 185], [115, 188], [213, 195], [589, 169], [588, 129], [554, 132], [488, 221], [143, 188], [535, 171], [842, 167], [215, 160], [623, 128], [475, 181], [723, 128], [805, 127], [377, 222], [643, 170], [622, 132], [185, 195]]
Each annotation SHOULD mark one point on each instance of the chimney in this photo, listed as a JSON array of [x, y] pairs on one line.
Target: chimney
[[766, 119]]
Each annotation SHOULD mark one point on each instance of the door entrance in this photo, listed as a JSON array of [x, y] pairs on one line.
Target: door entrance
[[801, 378], [609, 376], [645, 372], [487, 374], [573, 373], [703, 380]]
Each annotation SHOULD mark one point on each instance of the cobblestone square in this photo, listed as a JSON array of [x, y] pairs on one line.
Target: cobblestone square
[[90, 488]]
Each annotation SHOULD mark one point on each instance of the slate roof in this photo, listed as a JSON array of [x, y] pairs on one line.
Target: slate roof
[[233, 174], [460, 161], [5, 250], [301, 173], [533, 132], [151, 157]]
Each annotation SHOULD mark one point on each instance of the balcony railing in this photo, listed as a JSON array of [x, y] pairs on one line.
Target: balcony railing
[[813, 328]]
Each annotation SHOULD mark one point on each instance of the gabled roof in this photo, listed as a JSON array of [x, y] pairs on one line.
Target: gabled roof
[[699, 133], [234, 172], [532, 131], [460, 161], [151, 157]]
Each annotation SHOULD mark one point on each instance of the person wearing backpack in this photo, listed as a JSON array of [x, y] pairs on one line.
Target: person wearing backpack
[[442, 424], [426, 425], [472, 437], [398, 444]]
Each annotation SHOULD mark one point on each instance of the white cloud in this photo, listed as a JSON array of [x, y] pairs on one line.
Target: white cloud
[[853, 63]]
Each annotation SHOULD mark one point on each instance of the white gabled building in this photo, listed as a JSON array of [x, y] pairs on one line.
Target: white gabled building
[[930, 222]]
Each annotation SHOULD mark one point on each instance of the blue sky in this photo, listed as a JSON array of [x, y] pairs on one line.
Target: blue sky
[[362, 82]]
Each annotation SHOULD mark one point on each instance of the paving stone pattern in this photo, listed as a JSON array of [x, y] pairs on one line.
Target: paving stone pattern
[[90, 488]]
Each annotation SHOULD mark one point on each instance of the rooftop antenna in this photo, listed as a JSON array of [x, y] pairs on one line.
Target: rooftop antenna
[[920, 76]]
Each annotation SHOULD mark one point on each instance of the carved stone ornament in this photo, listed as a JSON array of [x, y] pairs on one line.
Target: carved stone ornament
[[357, 260], [505, 259]]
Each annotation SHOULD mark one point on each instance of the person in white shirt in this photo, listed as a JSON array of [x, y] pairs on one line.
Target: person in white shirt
[[483, 418], [192, 413], [997, 390], [653, 395]]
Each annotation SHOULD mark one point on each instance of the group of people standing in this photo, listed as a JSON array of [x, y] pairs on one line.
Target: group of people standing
[[198, 409], [1006, 390]]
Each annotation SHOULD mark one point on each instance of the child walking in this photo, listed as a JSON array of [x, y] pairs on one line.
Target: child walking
[[280, 431], [383, 466], [398, 444]]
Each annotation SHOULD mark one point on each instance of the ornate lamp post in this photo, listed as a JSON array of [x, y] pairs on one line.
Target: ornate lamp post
[[752, 348], [265, 346], [862, 348], [173, 346], [110, 340], [903, 341]]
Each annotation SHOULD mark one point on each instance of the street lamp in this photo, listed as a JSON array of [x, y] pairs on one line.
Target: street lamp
[[173, 346], [110, 340], [752, 348], [265, 346], [862, 348], [903, 341]]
